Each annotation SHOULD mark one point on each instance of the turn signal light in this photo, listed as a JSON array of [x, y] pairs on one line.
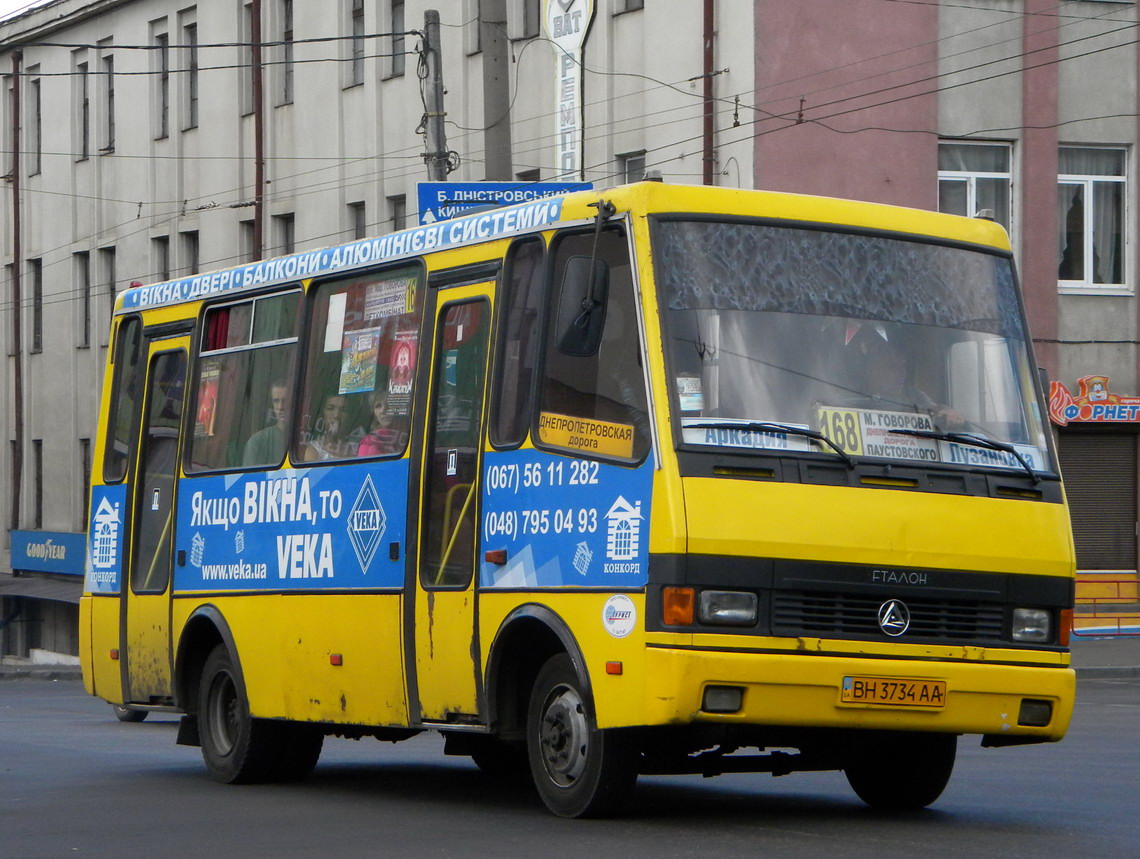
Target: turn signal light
[[677, 606], [1066, 627]]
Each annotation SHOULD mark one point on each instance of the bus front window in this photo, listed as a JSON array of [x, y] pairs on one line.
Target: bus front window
[[892, 349]]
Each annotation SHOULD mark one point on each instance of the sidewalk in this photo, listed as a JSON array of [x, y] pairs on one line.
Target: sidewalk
[[1117, 657]]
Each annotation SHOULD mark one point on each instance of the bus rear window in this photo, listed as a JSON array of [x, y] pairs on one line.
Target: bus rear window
[[243, 383]]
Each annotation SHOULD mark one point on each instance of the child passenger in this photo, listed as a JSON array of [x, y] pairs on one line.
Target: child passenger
[[383, 437]]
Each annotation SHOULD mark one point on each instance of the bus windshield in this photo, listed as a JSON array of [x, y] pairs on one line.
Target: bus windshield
[[887, 348]]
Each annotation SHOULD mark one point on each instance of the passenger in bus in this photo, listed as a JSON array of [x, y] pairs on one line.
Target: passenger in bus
[[267, 446], [383, 437], [329, 442]]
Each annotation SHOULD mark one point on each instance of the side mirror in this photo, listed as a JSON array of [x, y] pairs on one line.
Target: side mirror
[[582, 306]]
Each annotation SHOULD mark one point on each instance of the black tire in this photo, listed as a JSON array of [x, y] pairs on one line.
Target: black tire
[[579, 770], [900, 771], [128, 714], [239, 749]]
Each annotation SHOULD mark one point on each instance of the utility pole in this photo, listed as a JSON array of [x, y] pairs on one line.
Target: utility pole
[[496, 90], [257, 86], [17, 299], [436, 156]]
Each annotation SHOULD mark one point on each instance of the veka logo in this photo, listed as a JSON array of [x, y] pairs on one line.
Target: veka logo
[[894, 617], [366, 524]]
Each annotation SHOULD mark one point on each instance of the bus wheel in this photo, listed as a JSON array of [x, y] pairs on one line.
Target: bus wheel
[[579, 771], [128, 714], [235, 747], [901, 771]]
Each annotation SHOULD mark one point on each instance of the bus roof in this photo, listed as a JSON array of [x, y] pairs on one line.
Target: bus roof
[[642, 197]]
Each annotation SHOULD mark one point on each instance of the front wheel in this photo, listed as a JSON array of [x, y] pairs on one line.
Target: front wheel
[[579, 770], [128, 714], [900, 771]]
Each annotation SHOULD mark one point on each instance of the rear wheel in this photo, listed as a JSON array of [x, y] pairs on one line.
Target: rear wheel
[[128, 714], [900, 771], [579, 770], [238, 748]]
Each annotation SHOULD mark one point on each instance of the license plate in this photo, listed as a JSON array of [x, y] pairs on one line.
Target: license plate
[[894, 692]]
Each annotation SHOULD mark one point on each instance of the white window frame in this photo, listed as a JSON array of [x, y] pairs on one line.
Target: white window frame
[[971, 177], [1089, 182]]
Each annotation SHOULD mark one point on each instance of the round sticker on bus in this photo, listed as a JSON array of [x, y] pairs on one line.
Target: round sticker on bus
[[619, 615]]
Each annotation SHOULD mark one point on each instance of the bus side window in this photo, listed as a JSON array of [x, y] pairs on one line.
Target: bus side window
[[517, 351], [125, 389], [607, 385], [243, 383], [360, 371]]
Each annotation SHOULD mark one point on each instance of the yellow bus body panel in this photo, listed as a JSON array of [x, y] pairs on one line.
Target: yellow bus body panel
[[286, 645], [877, 526]]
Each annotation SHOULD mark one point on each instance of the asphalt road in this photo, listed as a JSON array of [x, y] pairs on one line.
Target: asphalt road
[[76, 782]]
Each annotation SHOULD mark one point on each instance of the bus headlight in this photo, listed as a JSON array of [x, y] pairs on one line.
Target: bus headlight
[[727, 608], [1032, 624]]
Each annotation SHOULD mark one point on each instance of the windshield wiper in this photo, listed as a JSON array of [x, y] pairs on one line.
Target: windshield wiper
[[976, 441], [770, 427]]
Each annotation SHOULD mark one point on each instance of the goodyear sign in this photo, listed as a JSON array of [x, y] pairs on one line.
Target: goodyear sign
[[439, 201]]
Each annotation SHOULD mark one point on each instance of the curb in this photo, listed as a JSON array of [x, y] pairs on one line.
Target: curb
[[1104, 672], [44, 673]]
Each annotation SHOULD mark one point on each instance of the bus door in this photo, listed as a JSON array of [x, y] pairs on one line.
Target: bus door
[[446, 649], [146, 609]]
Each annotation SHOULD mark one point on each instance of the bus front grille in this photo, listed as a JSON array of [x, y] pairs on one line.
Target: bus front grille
[[798, 612]]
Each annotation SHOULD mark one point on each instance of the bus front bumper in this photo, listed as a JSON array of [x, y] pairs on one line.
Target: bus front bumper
[[803, 689]]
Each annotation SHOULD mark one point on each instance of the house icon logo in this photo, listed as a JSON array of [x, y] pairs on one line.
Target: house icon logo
[[623, 530], [106, 527]]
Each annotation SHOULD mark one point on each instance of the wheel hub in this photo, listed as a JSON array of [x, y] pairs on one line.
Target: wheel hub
[[564, 737]]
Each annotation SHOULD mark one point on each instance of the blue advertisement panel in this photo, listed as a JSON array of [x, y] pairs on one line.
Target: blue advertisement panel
[[564, 522], [106, 532], [48, 551], [328, 528]]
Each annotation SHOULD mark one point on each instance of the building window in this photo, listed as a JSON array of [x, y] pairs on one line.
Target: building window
[[357, 220], [974, 177], [398, 206], [628, 6], [284, 226], [36, 275], [190, 261], [9, 276], [108, 84], [631, 166], [34, 119], [82, 112], [397, 28], [534, 175], [83, 283], [473, 38], [248, 38], [107, 275], [1091, 190], [162, 81], [38, 483], [160, 249], [245, 241], [356, 43], [190, 55], [532, 18], [85, 476], [286, 52]]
